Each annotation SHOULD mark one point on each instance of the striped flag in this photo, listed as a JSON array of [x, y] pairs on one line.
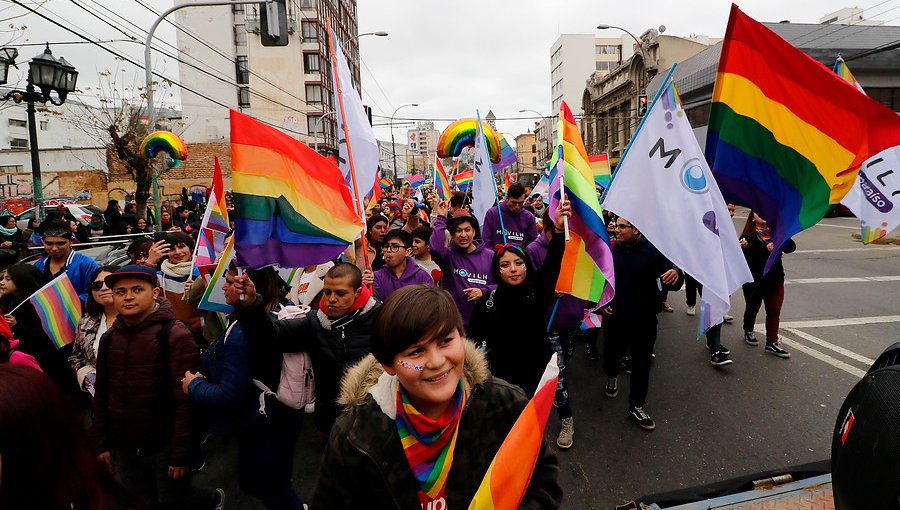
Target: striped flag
[[507, 478], [602, 174], [506, 182], [385, 183], [59, 308], [441, 182], [415, 180]]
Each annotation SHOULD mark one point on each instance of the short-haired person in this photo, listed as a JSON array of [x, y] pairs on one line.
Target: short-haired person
[[376, 227], [519, 224], [400, 269], [142, 421], [425, 383], [61, 258], [421, 252], [466, 264], [336, 335]]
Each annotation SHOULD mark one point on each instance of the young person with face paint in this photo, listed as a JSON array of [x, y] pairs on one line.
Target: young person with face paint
[[400, 269], [428, 385]]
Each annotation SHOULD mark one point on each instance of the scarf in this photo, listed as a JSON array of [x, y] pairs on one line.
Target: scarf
[[762, 233], [8, 231], [429, 444], [97, 226], [180, 270]]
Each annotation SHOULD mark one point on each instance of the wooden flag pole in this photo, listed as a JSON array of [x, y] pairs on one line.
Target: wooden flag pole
[[562, 198]]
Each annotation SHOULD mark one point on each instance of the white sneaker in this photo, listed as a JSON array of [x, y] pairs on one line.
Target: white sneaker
[[566, 434], [691, 310], [728, 318]]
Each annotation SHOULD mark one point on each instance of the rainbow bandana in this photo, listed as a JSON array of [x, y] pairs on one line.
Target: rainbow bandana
[[763, 234], [429, 444]]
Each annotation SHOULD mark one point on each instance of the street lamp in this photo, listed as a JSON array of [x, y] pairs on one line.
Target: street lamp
[[543, 118], [393, 144], [48, 74], [316, 129], [380, 33], [639, 46]]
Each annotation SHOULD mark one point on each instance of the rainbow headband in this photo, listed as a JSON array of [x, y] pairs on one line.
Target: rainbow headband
[[461, 134], [164, 141]]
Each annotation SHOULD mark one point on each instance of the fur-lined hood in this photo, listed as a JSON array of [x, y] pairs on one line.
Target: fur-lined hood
[[369, 378]]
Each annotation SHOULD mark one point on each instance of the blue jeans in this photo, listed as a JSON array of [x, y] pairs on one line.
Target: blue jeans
[[147, 475], [563, 344], [266, 458]]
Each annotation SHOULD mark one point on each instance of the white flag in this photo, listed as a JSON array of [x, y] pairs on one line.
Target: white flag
[[665, 188], [484, 187], [361, 137], [875, 197]]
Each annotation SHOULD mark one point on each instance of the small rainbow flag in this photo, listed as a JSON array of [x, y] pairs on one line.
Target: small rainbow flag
[[385, 183], [506, 182], [464, 179], [441, 182], [507, 155], [415, 180], [841, 69], [218, 218], [59, 308], [507, 478], [602, 174]]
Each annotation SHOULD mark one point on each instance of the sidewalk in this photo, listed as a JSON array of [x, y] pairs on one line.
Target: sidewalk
[[810, 494]]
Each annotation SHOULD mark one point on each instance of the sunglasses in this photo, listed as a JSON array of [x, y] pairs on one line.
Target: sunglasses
[[99, 284]]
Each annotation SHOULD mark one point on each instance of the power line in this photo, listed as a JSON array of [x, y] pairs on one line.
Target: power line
[[836, 22], [841, 29]]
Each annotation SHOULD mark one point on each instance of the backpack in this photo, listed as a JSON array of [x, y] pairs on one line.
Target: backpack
[[297, 384]]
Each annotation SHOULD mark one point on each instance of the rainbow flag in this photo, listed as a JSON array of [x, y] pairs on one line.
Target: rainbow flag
[[506, 182], [602, 175], [587, 267], [841, 69], [292, 207], [507, 478], [415, 180], [507, 155], [463, 179], [786, 135], [218, 217], [386, 183], [59, 308], [441, 182]]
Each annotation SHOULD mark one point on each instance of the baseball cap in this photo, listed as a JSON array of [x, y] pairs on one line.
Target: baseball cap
[[145, 273]]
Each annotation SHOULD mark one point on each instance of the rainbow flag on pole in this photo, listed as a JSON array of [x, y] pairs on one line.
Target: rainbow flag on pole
[[506, 182], [385, 183], [587, 267], [841, 69], [415, 180], [786, 135], [58, 306], [507, 478], [464, 179], [292, 207], [602, 173], [441, 182], [507, 155]]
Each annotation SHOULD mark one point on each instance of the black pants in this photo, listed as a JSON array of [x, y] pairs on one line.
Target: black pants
[[637, 334], [266, 458], [146, 474]]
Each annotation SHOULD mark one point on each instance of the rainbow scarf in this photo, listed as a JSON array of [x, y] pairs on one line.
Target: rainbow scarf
[[429, 444], [762, 233]]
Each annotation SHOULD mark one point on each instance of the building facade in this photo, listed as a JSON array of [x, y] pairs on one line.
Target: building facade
[[289, 87], [422, 146], [527, 168]]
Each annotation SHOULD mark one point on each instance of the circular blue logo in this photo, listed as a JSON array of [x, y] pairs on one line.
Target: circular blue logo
[[462, 272], [693, 178]]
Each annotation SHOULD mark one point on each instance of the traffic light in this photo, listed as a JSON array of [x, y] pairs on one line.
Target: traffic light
[[642, 105], [273, 23]]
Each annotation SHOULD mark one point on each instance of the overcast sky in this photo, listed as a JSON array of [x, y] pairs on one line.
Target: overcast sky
[[449, 57]]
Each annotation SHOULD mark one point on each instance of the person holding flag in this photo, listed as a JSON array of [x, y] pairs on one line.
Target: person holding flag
[[407, 442], [61, 258]]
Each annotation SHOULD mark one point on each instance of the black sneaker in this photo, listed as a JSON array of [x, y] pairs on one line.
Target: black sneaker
[[612, 388], [724, 350], [719, 359], [750, 338], [775, 348], [642, 418]]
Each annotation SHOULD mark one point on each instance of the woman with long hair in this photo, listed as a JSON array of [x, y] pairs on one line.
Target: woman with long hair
[[768, 288], [99, 314], [12, 242]]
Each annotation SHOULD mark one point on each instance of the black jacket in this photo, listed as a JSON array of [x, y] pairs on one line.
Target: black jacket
[[638, 267], [757, 254], [332, 349]]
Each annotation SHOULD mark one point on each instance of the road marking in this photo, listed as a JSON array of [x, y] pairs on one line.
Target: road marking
[[836, 226], [849, 321], [836, 348], [821, 356], [872, 249], [849, 279]]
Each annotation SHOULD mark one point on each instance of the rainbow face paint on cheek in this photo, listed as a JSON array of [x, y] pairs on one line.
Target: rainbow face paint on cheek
[[406, 364]]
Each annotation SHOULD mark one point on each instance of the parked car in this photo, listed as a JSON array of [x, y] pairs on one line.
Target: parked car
[[81, 212]]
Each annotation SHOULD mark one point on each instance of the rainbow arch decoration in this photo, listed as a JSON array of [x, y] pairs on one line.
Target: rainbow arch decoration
[[164, 141], [461, 134]]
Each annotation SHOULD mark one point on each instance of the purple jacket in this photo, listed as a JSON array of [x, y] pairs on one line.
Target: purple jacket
[[521, 228], [386, 282], [570, 313], [461, 270]]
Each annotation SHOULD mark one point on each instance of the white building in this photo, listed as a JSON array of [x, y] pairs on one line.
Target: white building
[[849, 16], [286, 86], [574, 57], [386, 156]]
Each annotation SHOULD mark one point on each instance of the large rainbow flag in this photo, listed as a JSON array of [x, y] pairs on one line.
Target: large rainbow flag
[[292, 207], [602, 174], [786, 135], [59, 308], [509, 474], [587, 267], [464, 179], [441, 182], [507, 155]]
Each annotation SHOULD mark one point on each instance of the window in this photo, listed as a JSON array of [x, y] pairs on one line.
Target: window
[[17, 123], [244, 97], [242, 69], [699, 116], [307, 4], [311, 62], [533, 147], [18, 143], [44, 125], [887, 96], [11, 169], [237, 8], [606, 66], [240, 35], [314, 94], [608, 49], [309, 31]]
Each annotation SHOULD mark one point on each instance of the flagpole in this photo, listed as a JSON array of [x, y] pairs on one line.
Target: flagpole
[[493, 179], [636, 131], [340, 95]]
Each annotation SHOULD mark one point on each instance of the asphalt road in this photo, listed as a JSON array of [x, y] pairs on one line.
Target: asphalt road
[[761, 413]]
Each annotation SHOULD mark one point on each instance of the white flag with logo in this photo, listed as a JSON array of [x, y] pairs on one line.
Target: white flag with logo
[[875, 198], [665, 189], [361, 137], [484, 187]]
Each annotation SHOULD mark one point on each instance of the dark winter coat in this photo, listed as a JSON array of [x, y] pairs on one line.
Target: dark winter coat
[[757, 254], [638, 267], [333, 347], [364, 465], [139, 403]]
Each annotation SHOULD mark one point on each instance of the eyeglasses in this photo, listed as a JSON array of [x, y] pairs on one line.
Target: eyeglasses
[[99, 284], [393, 248], [619, 226]]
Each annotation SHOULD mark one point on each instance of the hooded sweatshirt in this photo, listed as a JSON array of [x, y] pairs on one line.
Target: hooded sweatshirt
[[386, 282], [462, 270], [521, 228]]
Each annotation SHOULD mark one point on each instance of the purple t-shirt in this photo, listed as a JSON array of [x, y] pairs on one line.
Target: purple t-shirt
[[461, 270], [521, 228], [386, 282]]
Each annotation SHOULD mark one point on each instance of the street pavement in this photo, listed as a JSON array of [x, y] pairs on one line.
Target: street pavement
[[761, 413]]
